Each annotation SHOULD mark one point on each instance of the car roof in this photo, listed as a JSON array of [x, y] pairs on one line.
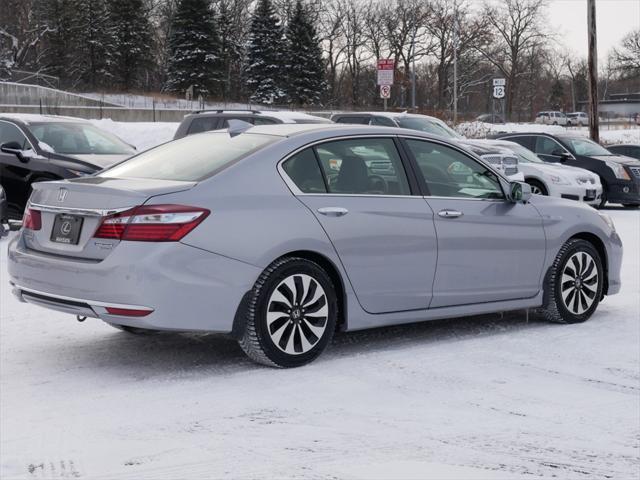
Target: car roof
[[328, 130], [385, 114], [285, 116], [31, 118]]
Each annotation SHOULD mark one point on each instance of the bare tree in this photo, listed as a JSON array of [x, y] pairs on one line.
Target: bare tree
[[518, 27], [626, 58]]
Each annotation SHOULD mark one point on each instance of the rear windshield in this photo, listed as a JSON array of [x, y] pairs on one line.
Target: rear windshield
[[78, 139], [191, 158]]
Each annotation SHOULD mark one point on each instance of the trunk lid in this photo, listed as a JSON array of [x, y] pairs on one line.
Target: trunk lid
[[75, 209]]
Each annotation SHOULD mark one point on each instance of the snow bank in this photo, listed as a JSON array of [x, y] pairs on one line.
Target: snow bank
[[607, 137], [142, 135]]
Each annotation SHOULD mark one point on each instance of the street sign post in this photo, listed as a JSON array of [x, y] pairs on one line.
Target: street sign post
[[386, 68]]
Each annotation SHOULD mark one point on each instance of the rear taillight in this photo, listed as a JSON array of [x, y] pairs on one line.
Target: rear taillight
[[32, 219], [152, 223]]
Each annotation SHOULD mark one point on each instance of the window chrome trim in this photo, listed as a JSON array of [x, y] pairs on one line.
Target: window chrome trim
[[91, 212]]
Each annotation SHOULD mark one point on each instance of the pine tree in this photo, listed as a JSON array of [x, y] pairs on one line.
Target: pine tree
[[131, 31], [265, 58], [194, 50], [305, 69], [93, 43]]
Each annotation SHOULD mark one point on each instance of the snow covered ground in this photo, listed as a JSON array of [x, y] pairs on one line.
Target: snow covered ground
[[477, 398], [609, 135]]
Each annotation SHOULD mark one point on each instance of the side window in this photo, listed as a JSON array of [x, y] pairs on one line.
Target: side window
[[525, 141], [547, 146], [383, 121], [358, 120], [304, 170], [365, 166], [263, 121], [202, 124], [450, 173], [10, 133]]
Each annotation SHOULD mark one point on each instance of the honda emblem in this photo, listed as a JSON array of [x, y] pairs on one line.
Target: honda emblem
[[62, 194]]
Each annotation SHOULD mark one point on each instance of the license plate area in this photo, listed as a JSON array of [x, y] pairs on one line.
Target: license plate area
[[66, 229]]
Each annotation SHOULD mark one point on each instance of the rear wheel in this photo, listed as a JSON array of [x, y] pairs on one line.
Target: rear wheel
[[291, 315], [537, 188], [574, 284]]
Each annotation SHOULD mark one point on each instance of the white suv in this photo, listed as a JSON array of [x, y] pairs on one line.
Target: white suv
[[552, 118]]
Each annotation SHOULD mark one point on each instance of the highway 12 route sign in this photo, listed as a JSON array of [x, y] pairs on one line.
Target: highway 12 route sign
[[499, 88]]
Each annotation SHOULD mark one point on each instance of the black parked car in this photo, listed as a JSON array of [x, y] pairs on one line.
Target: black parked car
[[36, 148], [206, 120], [628, 150], [620, 175]]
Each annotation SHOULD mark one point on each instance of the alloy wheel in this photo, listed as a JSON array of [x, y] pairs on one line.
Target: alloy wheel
[[579, 285], [297, 314], [535, 190]]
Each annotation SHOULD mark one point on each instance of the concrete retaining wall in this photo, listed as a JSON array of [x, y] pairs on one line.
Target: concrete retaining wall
[[24, 94], [115, 113]]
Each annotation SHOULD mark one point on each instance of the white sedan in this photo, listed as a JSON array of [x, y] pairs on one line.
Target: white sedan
[[555, 180]]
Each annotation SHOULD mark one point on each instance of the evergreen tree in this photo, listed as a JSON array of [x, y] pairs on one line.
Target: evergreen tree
[[93, 43], [265, 58], [194, 58], [305, 69], [131, 32]]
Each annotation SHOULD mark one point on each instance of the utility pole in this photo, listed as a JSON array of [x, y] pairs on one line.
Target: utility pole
[[413, 67], [455, 62], [594, 128]]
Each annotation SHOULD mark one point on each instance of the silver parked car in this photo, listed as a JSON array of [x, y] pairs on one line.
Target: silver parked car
[[279, 235]]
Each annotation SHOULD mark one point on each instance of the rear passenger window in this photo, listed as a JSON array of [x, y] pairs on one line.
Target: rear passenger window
[[304, 170], [203, 124], [365, 166]]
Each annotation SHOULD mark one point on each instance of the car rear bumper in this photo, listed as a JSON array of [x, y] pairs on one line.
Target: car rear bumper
[[183, 288]]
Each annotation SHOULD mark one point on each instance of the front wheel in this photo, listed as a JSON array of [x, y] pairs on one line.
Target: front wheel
[[291, 315], [537, 188], [574, 283]]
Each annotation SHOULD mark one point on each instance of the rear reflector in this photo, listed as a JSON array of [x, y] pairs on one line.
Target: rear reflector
[[127, 312], [152, 223], [32, 219]]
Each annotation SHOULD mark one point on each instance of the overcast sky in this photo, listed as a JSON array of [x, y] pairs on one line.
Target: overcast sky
[[615, 18]]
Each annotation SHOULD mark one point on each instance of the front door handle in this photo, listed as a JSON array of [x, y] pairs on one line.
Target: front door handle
[[333, 211], [446, 213]]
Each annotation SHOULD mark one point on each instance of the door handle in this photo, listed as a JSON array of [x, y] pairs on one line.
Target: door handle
[[333, 211], [446, 213]]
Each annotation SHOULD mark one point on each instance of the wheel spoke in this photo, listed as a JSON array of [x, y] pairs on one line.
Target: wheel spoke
[[297, 280], [297, 314]]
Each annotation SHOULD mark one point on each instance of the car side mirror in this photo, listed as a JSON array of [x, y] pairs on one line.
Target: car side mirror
[[15, 149], [562, 155], [519, 192]]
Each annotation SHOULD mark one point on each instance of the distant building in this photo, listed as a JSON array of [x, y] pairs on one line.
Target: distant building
[[617, 105]]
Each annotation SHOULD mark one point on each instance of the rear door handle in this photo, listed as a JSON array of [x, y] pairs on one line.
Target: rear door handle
[[446, 213], [333, 211]]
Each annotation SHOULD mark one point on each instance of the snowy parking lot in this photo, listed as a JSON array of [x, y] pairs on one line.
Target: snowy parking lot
[[483, 397]]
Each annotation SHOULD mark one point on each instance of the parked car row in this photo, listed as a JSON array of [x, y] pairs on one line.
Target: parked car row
[[279, 235], [36, 148]]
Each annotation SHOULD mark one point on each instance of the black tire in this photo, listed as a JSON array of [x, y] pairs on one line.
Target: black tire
[[574, 307], [131, 330], [603, 200], [631, 205], [535, 184], [267, 294]]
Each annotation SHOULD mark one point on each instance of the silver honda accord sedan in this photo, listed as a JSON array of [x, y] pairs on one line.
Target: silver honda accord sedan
[[279, 235]]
